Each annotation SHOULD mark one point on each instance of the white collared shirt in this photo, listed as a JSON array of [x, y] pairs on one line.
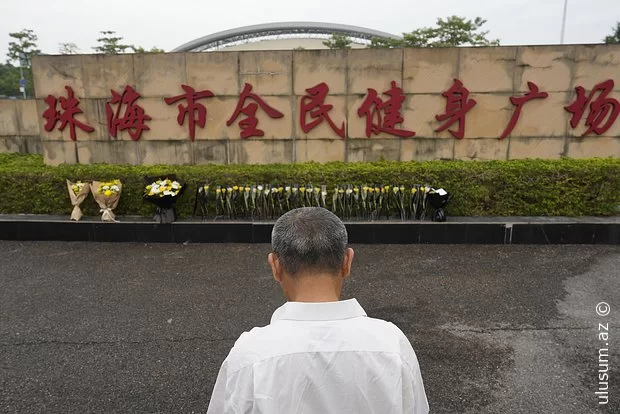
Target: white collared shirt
[[321, 358]]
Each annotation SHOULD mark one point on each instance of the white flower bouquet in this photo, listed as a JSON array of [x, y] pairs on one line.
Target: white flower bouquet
[[163, 192]]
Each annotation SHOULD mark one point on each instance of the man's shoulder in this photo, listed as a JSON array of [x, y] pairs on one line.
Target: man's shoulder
[[366, 323], [383, 325], [248, 339], [285, 336], [386, 331], [251, 347], [361, 335]]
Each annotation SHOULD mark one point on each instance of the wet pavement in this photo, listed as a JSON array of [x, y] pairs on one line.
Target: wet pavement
[[130, 327]]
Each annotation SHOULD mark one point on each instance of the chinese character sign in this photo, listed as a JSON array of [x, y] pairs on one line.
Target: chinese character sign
[[124, 113], [249, 125], [313, 106], [192, 109], [383, 115], [519, 101], [458, 104], [602, 110], [66, 115], [380, 112]]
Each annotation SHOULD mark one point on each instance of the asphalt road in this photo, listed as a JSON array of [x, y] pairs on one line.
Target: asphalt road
[[88, 327]]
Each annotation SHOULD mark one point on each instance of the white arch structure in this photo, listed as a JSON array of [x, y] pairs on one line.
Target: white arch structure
[[267, 31]]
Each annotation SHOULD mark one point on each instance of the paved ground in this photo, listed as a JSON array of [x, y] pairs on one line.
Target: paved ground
[[88, 327]]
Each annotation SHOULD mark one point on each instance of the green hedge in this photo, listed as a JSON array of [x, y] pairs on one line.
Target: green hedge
[[494, 188]]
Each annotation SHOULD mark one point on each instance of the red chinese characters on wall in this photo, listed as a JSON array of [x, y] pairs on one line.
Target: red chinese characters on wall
[[66, 116], [249, 124], [603, 110], [519, 101], [127, 114], [313, 105], [194, 111], [384, 115], [457, 106]]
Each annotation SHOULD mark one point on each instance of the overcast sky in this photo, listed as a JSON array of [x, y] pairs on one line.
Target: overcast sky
[[170, 23]]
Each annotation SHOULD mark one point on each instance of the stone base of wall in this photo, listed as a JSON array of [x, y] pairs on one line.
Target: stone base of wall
[[19, 126], [184, 152], [505, 230], [26, 145]]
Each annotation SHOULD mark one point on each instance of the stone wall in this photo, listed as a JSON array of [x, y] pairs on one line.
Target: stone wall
[[19, 126], [491, 75]]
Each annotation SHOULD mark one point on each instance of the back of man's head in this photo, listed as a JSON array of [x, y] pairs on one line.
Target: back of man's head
[[309, 239]]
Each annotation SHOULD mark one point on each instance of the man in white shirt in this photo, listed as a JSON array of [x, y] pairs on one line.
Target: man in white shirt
[[319, 355]]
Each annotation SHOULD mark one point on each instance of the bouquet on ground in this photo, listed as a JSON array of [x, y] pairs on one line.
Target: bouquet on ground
[[78, 191], [107, 194], [163, 192], [439, 198]]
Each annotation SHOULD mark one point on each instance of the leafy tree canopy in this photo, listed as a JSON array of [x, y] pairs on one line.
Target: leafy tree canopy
[[140, 49], [68, 48], [614, 37], [110, 44], [338, 41], [449, 32], [23, 44]]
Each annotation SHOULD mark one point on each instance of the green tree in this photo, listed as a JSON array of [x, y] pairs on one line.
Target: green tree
[[109, 44], [140, 49], [338, 41], [68, 48], [21, 49], [614, 37], [24, 44], [379, 42], [9, 80], [449, 32]]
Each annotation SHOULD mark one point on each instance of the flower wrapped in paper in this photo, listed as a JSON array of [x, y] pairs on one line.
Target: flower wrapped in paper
[[107, 194], [163, 192], [78, 191]]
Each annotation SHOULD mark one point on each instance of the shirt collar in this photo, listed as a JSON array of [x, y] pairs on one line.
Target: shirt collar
[[318, 311]]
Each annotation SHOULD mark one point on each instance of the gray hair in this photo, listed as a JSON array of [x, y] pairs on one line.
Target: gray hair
[[309, 238]]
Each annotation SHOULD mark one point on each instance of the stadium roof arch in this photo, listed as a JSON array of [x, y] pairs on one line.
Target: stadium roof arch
[[284, 29]]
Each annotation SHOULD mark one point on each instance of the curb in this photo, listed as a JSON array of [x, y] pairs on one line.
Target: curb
[[551, 231]]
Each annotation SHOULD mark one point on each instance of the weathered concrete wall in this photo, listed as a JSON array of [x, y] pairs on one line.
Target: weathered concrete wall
[[492, 76], [19, 126]]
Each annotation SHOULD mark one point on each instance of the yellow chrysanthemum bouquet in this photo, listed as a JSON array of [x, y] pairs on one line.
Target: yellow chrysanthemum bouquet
[[107, 195], [78, 191]]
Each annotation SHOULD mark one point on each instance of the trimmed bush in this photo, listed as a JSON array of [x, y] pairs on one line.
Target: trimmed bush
[[566, 187]]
